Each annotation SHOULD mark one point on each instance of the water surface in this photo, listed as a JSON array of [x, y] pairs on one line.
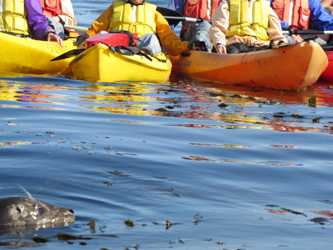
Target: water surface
[[230, 167]]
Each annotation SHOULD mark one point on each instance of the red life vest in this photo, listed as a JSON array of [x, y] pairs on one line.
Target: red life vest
[[51, 8], [300, 12], [198, 9]]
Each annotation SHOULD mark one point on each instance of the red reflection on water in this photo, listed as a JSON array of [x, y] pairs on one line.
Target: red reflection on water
[[267, 163], [276, 211], [326, 213], [323, 89], [283, 146]]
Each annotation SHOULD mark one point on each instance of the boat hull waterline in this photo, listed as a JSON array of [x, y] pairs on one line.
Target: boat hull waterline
[[292, 67]]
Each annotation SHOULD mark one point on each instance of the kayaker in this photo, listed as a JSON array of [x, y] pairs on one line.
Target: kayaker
[[197, 9], [58, 13], [256, 32], [29, 21], [138, 16], [314, 16]]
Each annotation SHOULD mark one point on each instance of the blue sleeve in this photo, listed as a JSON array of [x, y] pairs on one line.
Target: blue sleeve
[[284, 25], [320, 19], [177, 5]]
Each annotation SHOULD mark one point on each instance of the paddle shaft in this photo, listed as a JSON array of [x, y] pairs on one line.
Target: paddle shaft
[[184, 19], [307, 32], [75, 28]]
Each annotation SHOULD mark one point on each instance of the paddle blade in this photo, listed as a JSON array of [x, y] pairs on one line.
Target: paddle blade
[[170, 15], [73, 52], [168, 12]]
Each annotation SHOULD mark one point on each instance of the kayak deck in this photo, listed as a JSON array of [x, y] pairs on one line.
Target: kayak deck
[[292, 67], [100, 64], [28, 56]]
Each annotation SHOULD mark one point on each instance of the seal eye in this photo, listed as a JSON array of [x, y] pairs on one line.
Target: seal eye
[[18, 210], [40, 210]]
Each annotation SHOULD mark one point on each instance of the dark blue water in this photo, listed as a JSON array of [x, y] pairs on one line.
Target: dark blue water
[[254, 174]]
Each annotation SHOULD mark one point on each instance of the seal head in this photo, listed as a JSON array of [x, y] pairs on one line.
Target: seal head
[[28, 212]]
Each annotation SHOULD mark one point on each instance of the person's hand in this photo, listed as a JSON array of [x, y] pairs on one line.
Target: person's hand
[[297, 38], [197, 45], [58, 19], [82, 38], [53, 37], [221, 49]]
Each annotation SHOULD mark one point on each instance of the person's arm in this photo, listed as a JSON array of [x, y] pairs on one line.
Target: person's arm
[[219, 29], [274, 29], [37, 20], [327, 3], [101, 23], [168, 38], [67, 16], [320, 19]]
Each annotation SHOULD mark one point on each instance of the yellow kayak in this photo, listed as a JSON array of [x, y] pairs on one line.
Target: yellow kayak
[[28, 56], [293, 67], [100, 64]]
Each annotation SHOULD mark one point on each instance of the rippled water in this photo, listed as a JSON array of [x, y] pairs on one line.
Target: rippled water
[[230, 167]]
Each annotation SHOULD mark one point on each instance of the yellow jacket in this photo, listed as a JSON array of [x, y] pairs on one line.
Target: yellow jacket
[[173, 45], [13, 17], [219, 30]]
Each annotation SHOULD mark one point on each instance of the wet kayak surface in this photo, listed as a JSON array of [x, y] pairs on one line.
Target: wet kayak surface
[[183, 165]]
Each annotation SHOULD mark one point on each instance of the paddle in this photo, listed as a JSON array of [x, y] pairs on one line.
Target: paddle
[[174, 17], [306, 32], [73, 52], [75, 28]]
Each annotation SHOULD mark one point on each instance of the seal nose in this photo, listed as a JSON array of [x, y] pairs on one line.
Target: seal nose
[[70, 210]]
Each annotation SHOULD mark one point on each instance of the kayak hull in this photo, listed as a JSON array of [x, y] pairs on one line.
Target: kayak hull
[[292, 67], [328, 73], [28, 56], [100, 64]]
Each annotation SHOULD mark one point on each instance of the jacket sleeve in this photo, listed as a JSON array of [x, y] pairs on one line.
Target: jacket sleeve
[[220, 24], [37, 20], [168, 38], [101, 23], [67, 13], [284, 25], [320, 19], [274, 29]]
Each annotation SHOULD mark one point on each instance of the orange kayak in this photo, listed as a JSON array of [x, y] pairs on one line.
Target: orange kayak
[[292, 67]]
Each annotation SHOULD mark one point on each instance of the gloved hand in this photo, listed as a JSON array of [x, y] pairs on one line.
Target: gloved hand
[[82, 38], [197, 45]]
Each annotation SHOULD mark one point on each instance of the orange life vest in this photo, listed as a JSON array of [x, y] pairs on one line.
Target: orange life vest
[[299, 16], [198, 9], [51, 8]]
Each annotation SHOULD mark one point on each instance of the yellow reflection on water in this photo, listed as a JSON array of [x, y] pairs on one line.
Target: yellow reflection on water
[[126, 98], [10, 144], [30, 93]]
